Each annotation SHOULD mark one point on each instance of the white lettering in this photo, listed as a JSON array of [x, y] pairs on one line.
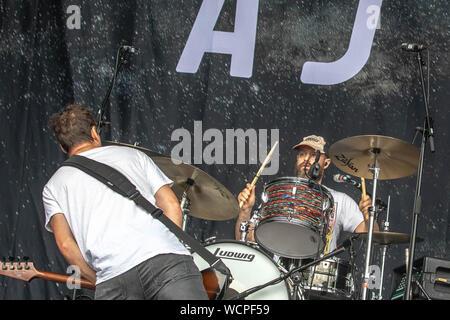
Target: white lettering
[[240, 43]]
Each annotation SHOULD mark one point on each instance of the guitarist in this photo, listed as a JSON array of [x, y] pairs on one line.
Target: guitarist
[[116, 245]]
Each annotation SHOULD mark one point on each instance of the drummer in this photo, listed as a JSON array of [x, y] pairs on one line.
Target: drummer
[[347, 215]]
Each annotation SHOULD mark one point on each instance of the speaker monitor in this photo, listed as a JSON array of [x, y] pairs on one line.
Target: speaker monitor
[[430, 279]]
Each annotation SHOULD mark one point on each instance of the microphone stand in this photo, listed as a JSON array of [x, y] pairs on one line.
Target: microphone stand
[[335, 252], [427, 134], [120, 62]]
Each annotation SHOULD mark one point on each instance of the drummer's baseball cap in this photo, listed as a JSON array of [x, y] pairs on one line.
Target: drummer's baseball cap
[[313, 141]]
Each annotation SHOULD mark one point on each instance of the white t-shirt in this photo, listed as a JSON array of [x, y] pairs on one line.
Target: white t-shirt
[[112, 232], [346, 216]]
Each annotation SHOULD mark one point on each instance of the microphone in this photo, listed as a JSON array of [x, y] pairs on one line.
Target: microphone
[[130, 49], [413, 47], [339, 178], [313, 172]]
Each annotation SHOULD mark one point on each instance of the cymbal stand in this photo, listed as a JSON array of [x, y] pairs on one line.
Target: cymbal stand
[[376, 170], [185, 203], [383, 250], [185, 208]]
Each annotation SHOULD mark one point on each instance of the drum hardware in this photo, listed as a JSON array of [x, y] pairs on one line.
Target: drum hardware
[[375, 169], [209, 240], [383, 250], [290, 273], [185, 203]]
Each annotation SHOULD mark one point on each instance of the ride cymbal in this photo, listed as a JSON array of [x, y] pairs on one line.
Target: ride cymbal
[[355, 155]]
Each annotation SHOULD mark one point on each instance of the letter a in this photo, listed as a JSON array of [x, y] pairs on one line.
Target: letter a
[[74, 21], [240, 43], [358, 52]]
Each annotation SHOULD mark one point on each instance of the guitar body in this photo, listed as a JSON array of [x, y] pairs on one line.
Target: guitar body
[[215, 283]]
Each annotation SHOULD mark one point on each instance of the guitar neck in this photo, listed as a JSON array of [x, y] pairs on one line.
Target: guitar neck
[[62, 278]]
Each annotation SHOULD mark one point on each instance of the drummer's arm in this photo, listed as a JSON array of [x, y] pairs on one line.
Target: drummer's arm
[[364, 206], [244, 215]]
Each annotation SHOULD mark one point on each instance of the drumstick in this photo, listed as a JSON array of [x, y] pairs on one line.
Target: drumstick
[[363, 187], [261, 169]]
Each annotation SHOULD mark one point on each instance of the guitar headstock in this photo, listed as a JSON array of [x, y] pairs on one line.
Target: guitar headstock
[[22, 270]]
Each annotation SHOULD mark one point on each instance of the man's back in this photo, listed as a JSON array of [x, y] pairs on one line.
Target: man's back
[[112, 232]]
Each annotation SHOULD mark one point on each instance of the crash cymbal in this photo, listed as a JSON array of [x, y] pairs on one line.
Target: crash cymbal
[[355, 155], [384, 237], [208, 198]]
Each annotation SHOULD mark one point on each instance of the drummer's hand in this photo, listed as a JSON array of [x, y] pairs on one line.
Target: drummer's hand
[[247, 197], [364, 205]]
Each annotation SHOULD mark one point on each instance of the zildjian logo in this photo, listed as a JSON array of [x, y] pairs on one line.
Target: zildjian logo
[[346, 162]]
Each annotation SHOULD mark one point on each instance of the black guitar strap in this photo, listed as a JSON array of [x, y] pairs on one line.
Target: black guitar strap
[[119, 183]]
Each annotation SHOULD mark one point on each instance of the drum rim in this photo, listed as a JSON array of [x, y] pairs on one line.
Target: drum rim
[[291, 179]]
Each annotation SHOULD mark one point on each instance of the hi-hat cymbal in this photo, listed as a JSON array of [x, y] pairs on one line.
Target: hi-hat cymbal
[[384, 237], [208, 198], [355, 155]]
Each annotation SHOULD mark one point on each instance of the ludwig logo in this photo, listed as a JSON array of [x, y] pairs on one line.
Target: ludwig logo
[[234, 255]]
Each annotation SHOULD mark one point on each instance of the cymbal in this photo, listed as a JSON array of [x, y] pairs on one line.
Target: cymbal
[[355, 155], [384, 237], [208, 198]]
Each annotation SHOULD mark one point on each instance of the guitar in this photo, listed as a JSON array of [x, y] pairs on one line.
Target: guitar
[[26, 271], [214, 282]]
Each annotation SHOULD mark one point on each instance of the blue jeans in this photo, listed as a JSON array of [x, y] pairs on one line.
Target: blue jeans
[[163, 277]]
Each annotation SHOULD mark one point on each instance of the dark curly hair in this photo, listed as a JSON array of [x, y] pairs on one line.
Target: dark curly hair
[[73, 125]]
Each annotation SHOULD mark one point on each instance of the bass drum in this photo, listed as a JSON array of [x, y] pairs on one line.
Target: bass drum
[[249, 267]]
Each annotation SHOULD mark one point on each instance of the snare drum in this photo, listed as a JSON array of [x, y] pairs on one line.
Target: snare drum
[[294, 217], [250, 267], [331, 279]]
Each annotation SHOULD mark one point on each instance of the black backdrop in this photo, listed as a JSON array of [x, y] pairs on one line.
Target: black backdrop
[[46, 64]]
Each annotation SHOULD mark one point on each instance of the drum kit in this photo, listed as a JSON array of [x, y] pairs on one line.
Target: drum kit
[[287, 259]]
